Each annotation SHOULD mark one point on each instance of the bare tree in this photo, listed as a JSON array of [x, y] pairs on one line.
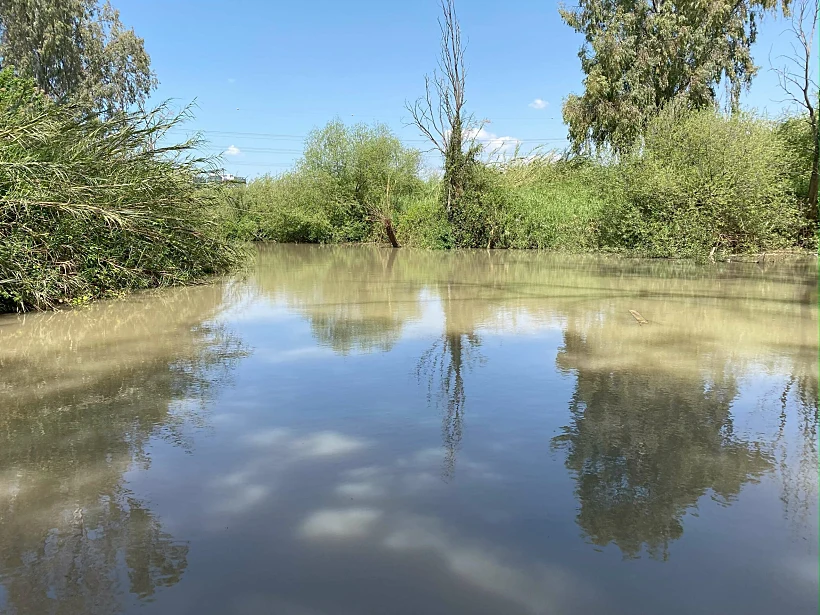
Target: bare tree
[[797, 80], [440, 113]]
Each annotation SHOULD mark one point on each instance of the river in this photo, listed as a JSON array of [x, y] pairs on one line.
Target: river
[[357, 430]]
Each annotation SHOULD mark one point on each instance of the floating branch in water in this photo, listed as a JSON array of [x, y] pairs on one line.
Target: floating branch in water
[[641, 320]]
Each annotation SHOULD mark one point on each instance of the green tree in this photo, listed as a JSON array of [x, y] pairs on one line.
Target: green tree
[[76, 49], [363, 170], [440, 116], [640, 54]]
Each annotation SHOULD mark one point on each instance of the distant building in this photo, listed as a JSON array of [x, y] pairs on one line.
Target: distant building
[[220, 176]]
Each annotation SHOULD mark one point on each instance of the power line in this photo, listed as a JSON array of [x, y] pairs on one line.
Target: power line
[[276, 136]]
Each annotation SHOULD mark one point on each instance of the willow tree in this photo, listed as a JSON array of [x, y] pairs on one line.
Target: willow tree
[[363, 172], [640, 54], [77, 50]]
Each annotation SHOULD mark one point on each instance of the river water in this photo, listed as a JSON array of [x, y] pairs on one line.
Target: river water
[[356, 430]]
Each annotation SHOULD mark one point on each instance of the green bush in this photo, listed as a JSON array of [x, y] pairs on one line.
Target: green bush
[[697, 181], [555, 206], [92, 206], [349, 183], [422, 220], [288, 208], [703, 180]]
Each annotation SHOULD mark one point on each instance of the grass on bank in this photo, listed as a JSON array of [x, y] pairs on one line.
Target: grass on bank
[[92, 206]]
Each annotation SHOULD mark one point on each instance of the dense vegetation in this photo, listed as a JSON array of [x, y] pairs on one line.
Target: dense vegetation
[[90, 205], [654, 167], [93, 203], [700, 180]]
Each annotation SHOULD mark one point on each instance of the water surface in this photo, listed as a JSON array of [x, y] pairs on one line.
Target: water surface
[[367, 431]]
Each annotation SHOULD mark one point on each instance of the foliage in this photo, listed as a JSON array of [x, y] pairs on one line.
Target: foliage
[[283, 209], [704, 180], [796, 134], [699, 180], [76, 49], [349, 186], [798, 81], [556, 206], [423, 222], [91, 206], [440, 116], [639, 55], [359, 172]]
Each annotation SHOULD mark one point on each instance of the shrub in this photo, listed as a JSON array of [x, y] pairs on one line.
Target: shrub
[[422, 220], [703, 180], [91, 206], [555, 205]]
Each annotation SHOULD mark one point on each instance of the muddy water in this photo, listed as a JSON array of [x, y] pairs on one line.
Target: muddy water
[[356, 431]]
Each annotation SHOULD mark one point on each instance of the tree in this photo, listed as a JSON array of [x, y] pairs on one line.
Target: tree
[[76, 50], [440, 114], [797, 80], [639, 55], [363, 171]]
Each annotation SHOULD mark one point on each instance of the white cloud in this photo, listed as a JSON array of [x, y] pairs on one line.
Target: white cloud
[[537, 587], [493, 144], [233, 151], [360, 490], [340, 523], [231, 80], [315, 445], [539, 103]]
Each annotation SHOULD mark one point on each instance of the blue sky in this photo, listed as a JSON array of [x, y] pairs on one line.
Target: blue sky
[[264, 73]]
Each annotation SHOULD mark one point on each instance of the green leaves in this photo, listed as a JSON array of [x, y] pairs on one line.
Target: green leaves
[[704, 180], [89, 206], [76, 50], [641, 54]]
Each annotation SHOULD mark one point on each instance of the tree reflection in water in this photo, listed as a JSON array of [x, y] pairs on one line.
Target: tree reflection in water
[[651, 428], [795, 443], [644, 446], [83, 393], [444, 365]]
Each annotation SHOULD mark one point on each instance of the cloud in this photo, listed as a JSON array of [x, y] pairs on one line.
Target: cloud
[[539, 103], [231, 80], [233, 151], [315, 445], [340, 523], [537, 587], [493, 144]]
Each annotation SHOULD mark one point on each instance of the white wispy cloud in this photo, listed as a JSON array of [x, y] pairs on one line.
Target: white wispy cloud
[[233, 151], [539, 103], [493, 144], [231, 80]]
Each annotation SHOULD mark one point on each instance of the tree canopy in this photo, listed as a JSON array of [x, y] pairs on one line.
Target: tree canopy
[[640, 54], [76, 50]]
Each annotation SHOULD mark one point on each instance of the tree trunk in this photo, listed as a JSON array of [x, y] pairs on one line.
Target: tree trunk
[[813, 183], [391, 234]]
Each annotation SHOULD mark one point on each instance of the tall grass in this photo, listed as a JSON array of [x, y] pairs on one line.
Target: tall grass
[[92, 206]]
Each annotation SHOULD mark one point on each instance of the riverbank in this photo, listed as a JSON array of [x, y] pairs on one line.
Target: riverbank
[[701, 185], [93, 206]]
